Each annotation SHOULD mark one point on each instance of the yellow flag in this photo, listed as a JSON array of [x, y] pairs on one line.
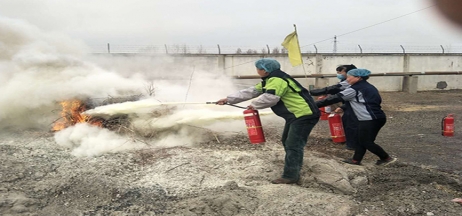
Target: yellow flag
[[293, 49]]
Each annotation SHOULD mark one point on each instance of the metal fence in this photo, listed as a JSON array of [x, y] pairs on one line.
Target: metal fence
[[267, 49]]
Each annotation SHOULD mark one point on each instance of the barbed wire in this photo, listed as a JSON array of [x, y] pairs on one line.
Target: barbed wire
[[266, 49], [370, 26]]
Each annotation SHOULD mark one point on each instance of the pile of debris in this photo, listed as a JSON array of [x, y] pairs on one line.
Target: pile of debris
[[73, 112]]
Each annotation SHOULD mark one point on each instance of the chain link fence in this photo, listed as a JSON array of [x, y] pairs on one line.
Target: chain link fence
[[266, 49]]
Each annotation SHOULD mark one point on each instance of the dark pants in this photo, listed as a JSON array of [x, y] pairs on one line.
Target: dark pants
[[294, 139], [366, 134], [350, 125]]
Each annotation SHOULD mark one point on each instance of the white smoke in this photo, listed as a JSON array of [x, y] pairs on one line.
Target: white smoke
[[87, 140], [40, 69]]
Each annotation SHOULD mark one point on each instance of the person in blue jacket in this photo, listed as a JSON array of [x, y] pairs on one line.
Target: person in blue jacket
[[289, 100], [365, 101], [349, 120]]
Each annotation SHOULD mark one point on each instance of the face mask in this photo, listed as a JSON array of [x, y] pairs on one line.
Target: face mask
[[340, 76]]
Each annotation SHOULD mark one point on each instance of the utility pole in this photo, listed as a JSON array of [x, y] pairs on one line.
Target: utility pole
[[335, 44]]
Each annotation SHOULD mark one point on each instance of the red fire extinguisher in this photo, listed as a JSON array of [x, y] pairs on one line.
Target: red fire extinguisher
[[325, 111], [254, 127], [336, 128], [447, 125]]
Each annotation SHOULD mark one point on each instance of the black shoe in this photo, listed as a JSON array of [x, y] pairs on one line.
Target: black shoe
[[351, 161], [386, 162]]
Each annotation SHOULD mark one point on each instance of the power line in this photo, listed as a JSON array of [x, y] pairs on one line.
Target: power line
[[353, 31], [372, 25]]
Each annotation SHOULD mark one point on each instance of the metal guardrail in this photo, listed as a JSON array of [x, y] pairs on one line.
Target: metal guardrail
[[268, 49], [374, 74]]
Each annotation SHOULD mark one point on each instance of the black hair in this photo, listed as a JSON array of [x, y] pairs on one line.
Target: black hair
[[346, 67], [365, 77]]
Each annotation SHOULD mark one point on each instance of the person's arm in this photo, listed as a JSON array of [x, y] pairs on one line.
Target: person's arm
[[334, 89], [344, 85], [243, 95], [345, 95], [275, 89], [331, 99]]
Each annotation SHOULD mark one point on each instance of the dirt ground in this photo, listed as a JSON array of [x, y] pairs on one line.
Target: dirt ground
[[228, 176]]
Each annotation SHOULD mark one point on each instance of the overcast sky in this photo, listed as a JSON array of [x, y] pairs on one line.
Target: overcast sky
[[236, 22]]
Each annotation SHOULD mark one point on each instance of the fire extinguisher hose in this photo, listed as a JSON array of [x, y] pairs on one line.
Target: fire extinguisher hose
[[236, 106], [227, 104]]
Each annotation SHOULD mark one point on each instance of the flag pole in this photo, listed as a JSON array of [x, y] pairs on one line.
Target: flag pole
[[303, 64]]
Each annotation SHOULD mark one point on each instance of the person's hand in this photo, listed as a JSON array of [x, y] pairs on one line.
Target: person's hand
[[250, 107], [338, 110], [222, 101]]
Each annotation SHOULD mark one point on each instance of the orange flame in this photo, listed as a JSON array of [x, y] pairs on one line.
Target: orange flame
[[72, 114]]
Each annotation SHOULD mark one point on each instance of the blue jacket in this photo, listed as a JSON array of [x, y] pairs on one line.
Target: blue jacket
[[362, 97]]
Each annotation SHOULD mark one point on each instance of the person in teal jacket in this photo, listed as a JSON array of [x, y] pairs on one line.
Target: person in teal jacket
[[289, 100]]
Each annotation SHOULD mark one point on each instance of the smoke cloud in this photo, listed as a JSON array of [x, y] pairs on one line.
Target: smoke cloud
[[40, 69], [87, 140]]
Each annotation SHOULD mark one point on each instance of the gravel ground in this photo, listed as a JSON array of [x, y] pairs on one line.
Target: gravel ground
[[231, 177]]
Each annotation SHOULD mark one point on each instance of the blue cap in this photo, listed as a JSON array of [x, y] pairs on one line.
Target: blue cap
[[267, 64], [359, 72]]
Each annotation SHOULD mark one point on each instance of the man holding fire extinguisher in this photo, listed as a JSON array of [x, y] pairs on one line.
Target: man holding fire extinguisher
[[349, 120], [364, 100], [289, 100]]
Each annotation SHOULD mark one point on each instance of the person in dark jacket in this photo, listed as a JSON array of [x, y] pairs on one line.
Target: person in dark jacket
[[349, 120], [365, 101], [289, 100]]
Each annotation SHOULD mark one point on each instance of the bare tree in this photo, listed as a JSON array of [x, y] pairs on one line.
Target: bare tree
[[264, 51], [176, 48], [249, 51], [201, 50], [184, 49], [150, 88], [238, 51], [275, 50]]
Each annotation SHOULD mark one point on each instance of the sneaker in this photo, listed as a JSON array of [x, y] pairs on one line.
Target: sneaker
[[386, 162], [351, 161], [284, 181]]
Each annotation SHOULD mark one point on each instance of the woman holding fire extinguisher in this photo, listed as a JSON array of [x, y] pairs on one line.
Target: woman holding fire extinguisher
[[364, 100], [349, 120], [289, 100]]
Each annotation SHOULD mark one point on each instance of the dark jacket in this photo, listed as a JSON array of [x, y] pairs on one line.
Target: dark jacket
[[333, 89], [364, 99]]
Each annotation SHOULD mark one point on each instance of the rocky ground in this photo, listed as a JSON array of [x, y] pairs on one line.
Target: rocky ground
[[228, 176]]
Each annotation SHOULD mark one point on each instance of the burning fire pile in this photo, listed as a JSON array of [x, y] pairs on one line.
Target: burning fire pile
[[72, 113]]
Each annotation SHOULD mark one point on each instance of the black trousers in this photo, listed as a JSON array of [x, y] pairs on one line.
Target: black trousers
[[350, 125], [366, 133]]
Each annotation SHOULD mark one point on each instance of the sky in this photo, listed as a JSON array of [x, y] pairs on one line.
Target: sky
[[237, 22]]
